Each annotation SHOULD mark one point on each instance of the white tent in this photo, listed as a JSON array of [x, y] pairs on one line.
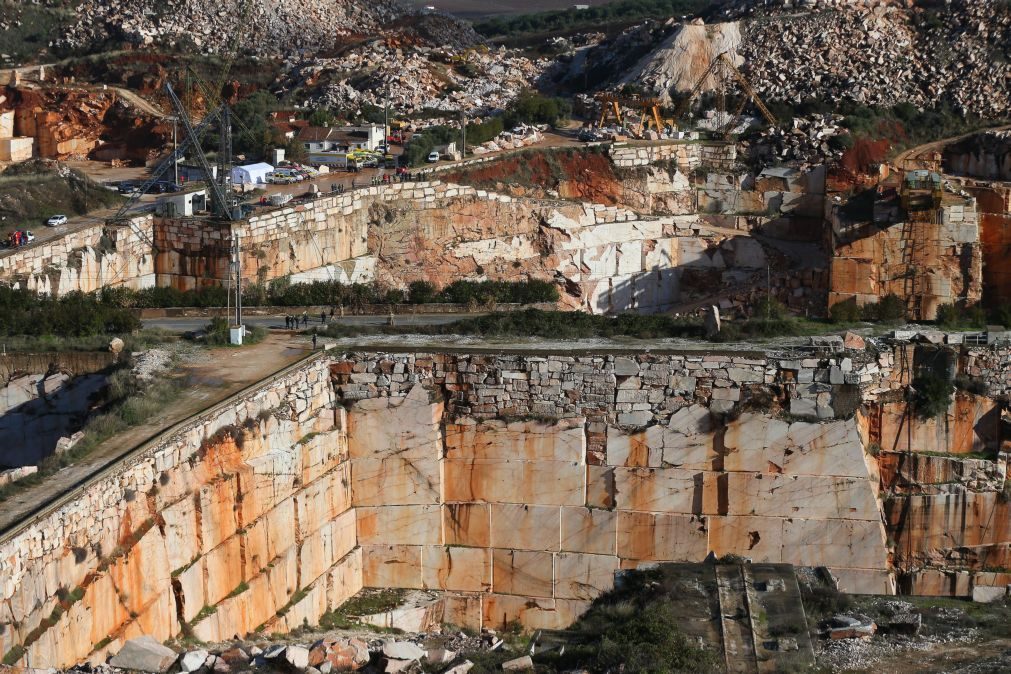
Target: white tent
[[251, 174]]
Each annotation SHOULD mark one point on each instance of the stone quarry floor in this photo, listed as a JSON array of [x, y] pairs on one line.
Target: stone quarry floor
[[211, 375]]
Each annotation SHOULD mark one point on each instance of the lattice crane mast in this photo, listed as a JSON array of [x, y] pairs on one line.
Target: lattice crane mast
[[725, 72]]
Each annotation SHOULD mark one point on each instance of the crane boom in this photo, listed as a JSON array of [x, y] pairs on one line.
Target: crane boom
[[217, 195]]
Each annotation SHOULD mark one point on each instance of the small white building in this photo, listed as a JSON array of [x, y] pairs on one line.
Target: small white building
[[251, 174], [182, 204], [341, 139]]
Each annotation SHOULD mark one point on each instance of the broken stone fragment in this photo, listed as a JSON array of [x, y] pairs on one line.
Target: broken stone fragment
[[144, 654], [193, 660], [403, 650], [519, 664]]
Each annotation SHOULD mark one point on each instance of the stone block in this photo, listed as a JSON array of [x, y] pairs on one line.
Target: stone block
[[456, 568], [406, 427], [583, 576], [600, 489], [525, 527], [525, 440], [757, 538], [535, 483], [467, 524], [395, 480], [589, 530], [661, 537], [801, 496], [523, 572], [223, 570], [533, 613], [843, 543], [657, 489], [392, 566], [408, 525]]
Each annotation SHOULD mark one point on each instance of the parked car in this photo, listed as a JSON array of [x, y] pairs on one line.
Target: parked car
[[56, 221], [432, 157], [127, 188]]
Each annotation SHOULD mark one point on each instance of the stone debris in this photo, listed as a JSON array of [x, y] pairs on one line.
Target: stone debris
[[804, 140], [193, 660], [268, 28], [150, 363], [415, 78], [522, 664], [144, 654], [849, 627], [879, 53], [403, 650]]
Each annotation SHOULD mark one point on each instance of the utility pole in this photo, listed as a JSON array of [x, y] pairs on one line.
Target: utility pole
[[386, 126], [238, 283], [463, 131], [175, 146], [768, 292]]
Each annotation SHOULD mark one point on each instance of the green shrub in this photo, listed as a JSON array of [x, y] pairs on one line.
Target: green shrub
[[889, 308], [932, 394], [846, 311], [421, 292], [953, 316], [76, 314], [635, 629]]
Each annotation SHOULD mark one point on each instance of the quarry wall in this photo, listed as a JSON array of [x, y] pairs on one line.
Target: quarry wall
[[86, 259], [518, 484], [927, 264]]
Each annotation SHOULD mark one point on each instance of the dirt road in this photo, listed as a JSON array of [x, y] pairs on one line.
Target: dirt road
[[919, 157]]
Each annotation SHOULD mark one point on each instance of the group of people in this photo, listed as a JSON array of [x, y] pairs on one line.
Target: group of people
[[292, 322]]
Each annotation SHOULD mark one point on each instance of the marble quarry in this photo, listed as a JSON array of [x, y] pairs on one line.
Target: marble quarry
[[516, 485]]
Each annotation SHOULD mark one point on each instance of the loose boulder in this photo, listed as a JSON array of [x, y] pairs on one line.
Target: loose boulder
[[144, 654]]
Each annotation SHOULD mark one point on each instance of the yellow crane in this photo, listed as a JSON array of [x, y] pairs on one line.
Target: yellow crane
[[612, 105]]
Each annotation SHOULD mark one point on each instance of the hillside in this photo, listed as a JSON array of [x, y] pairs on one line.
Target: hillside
[[282, 27], [927, 53]]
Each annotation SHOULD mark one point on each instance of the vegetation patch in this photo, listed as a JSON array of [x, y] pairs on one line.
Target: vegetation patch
[[128, 402], [633, 628], [33, 191], [366, 602], [24, 312], [619, 12]]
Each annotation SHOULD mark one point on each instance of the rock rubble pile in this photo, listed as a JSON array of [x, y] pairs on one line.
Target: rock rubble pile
[[805, 140], [415, 78], [269, 28], [879, 54], [326, 655]]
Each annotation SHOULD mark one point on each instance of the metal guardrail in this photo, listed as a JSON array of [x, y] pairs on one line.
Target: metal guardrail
[[131, 456]]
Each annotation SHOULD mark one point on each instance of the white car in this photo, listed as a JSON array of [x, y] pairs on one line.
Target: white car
[[56, 221], [433, 157]]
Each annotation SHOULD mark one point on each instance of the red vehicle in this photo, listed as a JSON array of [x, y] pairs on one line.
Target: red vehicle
[[395, 138]]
